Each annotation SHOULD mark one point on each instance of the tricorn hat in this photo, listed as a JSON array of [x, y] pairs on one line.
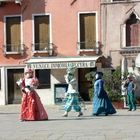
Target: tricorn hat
[[99, 72]]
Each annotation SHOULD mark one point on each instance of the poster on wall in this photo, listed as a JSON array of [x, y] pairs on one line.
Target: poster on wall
[[60, 91]]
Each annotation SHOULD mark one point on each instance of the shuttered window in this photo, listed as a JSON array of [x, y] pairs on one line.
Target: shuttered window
[[132, 31], [135, 34], [13, 34], [42, 37], [87, 31]]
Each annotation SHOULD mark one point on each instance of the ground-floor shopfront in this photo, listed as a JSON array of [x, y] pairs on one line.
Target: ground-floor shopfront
[[50, 73]]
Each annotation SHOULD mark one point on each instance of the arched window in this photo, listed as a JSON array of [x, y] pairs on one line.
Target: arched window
[[132, 31]]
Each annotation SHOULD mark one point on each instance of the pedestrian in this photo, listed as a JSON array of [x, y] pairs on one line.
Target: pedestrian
[[130, 89], [72, 95], [31, 106], [101, 103]]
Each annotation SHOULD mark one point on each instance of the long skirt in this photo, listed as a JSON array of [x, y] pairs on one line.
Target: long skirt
[[32, 108], [102, 106]]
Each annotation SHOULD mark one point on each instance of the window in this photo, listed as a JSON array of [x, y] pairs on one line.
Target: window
[[13, 34], [132, 31], [42, 33], [87, 31], [43, 76]]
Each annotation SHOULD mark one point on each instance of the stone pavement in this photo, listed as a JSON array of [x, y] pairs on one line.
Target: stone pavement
[[122, 126]]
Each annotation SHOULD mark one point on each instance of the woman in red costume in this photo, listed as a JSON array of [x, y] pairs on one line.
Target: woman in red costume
[[31, 106]]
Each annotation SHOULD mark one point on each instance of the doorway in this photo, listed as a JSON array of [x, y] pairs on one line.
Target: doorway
[[84, 85], [14, 92]]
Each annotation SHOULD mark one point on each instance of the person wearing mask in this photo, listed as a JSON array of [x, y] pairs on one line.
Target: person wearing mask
[[31, 106], [101, 103], [72, 95]]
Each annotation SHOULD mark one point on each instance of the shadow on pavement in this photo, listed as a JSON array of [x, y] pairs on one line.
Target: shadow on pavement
[[8, 113]]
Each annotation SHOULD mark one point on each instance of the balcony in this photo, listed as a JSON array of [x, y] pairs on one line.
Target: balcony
[[15, 1], [117, 1], [42, 48], [88, 47], [130, 50], [108, 1], [13, 49]]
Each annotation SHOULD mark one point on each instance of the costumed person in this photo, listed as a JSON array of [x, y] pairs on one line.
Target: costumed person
[[72, 95], [31, 106], [101, 103], [130, 88]]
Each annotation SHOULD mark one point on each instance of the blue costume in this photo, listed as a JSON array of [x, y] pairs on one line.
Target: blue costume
[[101, 102], [72, 96]]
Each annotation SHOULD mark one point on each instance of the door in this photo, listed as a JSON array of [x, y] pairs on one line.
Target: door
[[84, 84], [14, 93]]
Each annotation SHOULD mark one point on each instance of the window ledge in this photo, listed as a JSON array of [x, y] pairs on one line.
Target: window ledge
[[118, 2], [12, 52], [40, 51], [86, 50]]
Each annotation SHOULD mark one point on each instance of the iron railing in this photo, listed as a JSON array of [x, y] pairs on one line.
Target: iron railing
[[13, 48], [42, 47], [88, 45], [111, 1], [16, 1]]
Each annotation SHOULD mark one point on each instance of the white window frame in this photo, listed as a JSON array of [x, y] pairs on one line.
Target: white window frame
[[50, 34], [78, 46], [21, 33], [123, 35], [123, 29]]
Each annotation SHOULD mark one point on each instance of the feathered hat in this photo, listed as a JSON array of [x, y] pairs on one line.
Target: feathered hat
[[28, 70]]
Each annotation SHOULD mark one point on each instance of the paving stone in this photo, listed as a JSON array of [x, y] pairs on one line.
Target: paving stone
[[122, 126]]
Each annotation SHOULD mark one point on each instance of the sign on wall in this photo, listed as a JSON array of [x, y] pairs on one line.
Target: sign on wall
[[62, 65]]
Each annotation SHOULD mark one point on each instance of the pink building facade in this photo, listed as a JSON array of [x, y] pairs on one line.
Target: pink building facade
[[48, 36]]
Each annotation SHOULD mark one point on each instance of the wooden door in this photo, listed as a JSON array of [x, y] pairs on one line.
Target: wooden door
[[14, 93]]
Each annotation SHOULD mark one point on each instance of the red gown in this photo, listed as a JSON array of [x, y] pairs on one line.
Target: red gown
[[31, 106]]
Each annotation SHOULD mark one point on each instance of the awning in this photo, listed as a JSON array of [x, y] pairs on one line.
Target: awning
[[62, 62], [137, 62]]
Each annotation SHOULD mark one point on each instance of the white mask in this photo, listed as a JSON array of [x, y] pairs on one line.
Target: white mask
[[96, 76]]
